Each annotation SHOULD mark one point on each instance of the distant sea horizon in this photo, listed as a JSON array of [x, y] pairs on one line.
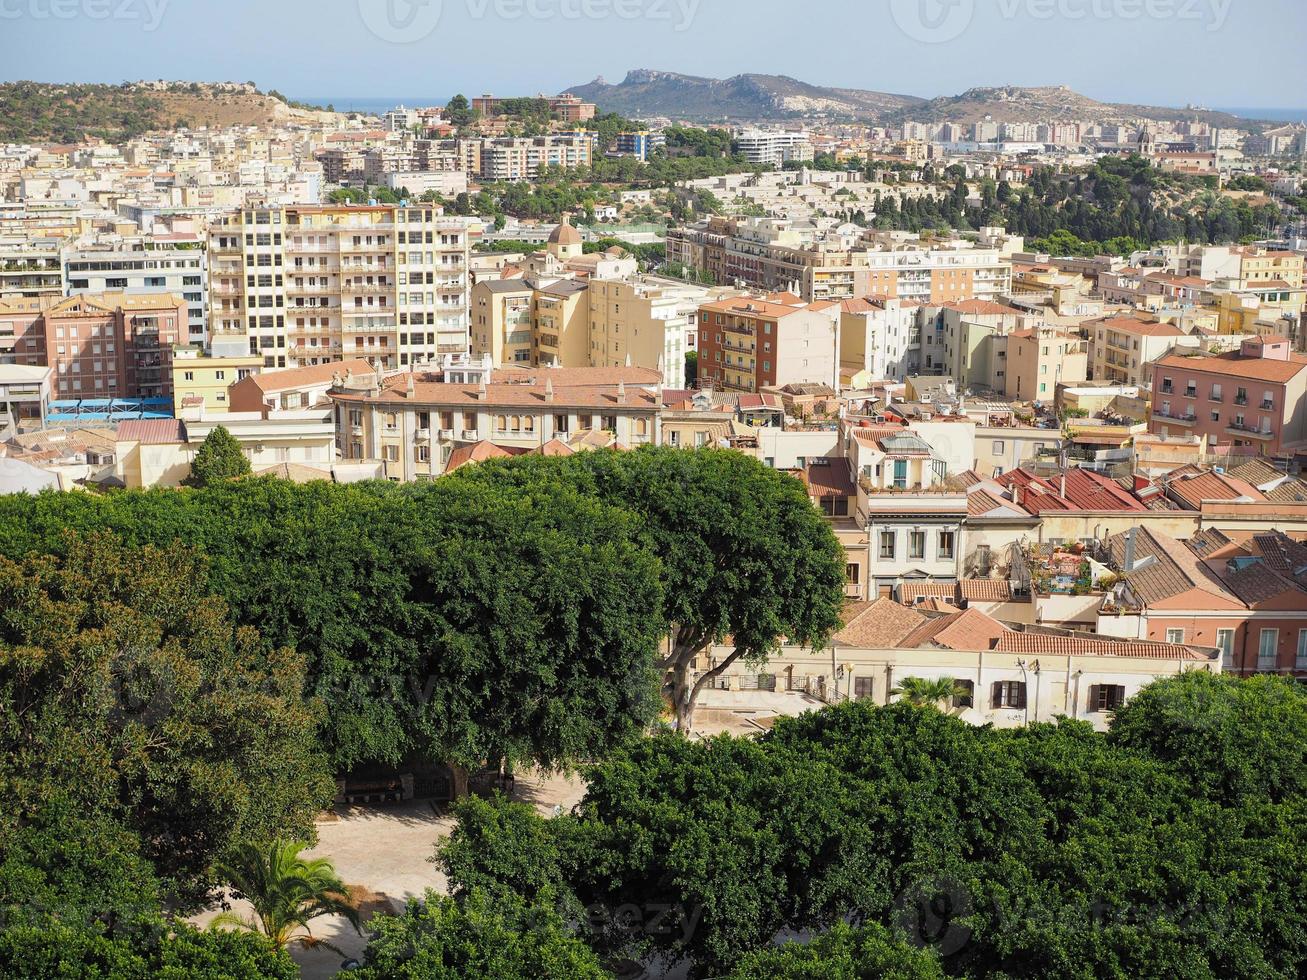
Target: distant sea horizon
[[377, 105]]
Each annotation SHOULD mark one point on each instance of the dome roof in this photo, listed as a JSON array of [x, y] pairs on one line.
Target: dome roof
[[564, 234]]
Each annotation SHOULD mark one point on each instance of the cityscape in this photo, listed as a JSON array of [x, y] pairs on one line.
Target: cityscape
[[774, 514]]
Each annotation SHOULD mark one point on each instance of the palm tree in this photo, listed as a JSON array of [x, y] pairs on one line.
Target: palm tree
[[923, 691], [287, 892]]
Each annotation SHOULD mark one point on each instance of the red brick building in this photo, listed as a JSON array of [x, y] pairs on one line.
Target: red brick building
[[107, 345]]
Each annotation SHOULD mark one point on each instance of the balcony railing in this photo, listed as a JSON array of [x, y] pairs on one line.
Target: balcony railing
[[1178, 419], [1248, 430]]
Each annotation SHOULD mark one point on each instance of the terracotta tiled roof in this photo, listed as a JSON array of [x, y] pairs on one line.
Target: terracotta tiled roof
[[910, 592], [881, 624], [309, 375], [1212, 486], [985, 589], [1235, 365], [1143, 328], [477, 452], [1022, 642], [830, 480], [152, 432], [1256, 472], [969, 629], [1174, 570]]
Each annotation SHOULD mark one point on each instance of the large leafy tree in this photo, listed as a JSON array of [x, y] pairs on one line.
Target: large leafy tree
[[462, 621], [1046, 851], [126, 694], [219, 457], [742, 552]]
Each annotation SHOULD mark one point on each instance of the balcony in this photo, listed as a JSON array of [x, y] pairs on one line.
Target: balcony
[[1177, 419], [422, 435], [1236, 429], [447, 434], [470, 435], [1268, 406]]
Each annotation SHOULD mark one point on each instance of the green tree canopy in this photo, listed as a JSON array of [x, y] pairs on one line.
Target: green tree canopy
[[220, 457], [475, 938], [742, 550], [125, 693], [463, 621], [1048, 851]]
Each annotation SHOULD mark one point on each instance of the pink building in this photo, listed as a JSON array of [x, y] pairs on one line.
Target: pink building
[[1250, 399]]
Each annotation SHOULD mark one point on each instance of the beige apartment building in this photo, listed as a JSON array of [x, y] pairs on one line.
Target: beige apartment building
[[1041, 358], [502, 321], [315, 284], [770, 255], [414, 425], [1123, 348]]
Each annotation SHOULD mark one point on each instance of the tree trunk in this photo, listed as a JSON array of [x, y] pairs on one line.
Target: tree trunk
[[682, 690]]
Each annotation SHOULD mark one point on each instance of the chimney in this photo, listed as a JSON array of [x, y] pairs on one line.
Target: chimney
[[1016, 493], [549, 390], [481, 391], [1062, 488], [1129, 550], [411, 390], [621, 393]]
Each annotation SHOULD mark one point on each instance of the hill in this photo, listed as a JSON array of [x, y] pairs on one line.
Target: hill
[[775, 97], [37, 112], [1014, 103], [743, 97]]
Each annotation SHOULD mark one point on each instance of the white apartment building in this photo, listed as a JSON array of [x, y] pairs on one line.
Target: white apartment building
[[773, 147], [310, 285], [140, 271]]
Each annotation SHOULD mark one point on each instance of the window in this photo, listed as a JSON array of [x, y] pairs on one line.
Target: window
[[1301, 661], [964, 694], [945, 544], [852, 570], [1106, 697], [1225, 643], [1009, 694], [998, 447], [916, 544], [1175, 635], [1266, 649], [887, 544], [392, 453], [862, 687]]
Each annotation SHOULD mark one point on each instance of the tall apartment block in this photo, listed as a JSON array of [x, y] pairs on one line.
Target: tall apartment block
[[138, 271], [315, 284]]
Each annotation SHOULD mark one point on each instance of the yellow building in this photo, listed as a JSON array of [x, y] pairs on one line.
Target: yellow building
[[501, 321], [562, 324], [1039, 359], [196, 375]]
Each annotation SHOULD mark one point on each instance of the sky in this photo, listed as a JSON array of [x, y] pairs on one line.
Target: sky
[[1225, 53]]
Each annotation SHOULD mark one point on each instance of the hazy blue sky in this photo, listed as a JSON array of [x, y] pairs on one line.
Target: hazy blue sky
[[1217, 52]]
